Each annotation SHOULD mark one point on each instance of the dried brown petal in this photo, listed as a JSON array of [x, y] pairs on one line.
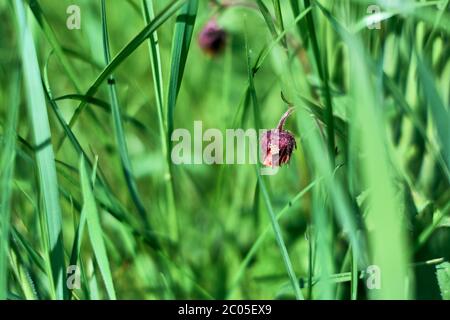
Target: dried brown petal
[[278, 144]]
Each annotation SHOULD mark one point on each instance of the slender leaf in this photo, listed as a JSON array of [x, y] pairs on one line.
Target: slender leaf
[[44, 155]]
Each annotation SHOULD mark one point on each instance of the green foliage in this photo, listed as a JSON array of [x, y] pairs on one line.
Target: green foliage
[[443, 278]]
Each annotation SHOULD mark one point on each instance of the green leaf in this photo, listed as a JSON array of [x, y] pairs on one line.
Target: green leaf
[[123, 54], [273, 220], [156, 66], [51, 37], [119, 130], [440, 114], [44, 155], [95, 230], [180, 49], [7, 160], [443, 278]]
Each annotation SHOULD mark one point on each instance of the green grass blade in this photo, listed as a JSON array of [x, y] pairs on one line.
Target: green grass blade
[[443, 278], [44, 156], [95, 230], [267, 18], [301, 25], [273, 220], [260, 240], [279, 238], [266, 51], [123, 54], [439, 113], [103, 105], [180, 48], [119, 130], [51, 37], [322, 68], [279, 16], [7, 160], [155, 59], [354, 278], [156, 66]]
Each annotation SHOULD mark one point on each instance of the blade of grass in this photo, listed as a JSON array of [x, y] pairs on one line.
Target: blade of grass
[[354, 277], [267, 18], [103, 191], [267, 49], [419, 10], [7, 160], [155, 62], [279, 16], [44, 156], [95, 230], [443, 278], [323, 74], [123, 54], [388, 238], [315, 149], [181, 42], [273, 220], [119, 131], [301, 25], [439, 113], [103, 105], [182, 36], [260, 240], [279, 238], [53, 41]]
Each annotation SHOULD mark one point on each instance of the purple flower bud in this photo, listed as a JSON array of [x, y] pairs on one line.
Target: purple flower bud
[[277, 144], [212, 38]]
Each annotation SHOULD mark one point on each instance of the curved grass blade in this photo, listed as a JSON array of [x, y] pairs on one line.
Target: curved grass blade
[[118, 129], [267, 18], [51, 37], [103, 192], [103, 105], [259, 241], [443, 277], [439, 113], [126, 51], [155, 62], [44, 155], [268, 48], [322, 68], [279, 16], [279, 238], [7, 160], [181, 42], [273, 220], [95, 230], [391, 251]]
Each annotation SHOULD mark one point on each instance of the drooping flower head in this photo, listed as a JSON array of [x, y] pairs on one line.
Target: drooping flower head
[[212, 38], [278, 144]]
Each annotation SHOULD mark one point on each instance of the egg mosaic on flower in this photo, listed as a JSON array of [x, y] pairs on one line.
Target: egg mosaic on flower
[[212, 38], [278, 144]]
